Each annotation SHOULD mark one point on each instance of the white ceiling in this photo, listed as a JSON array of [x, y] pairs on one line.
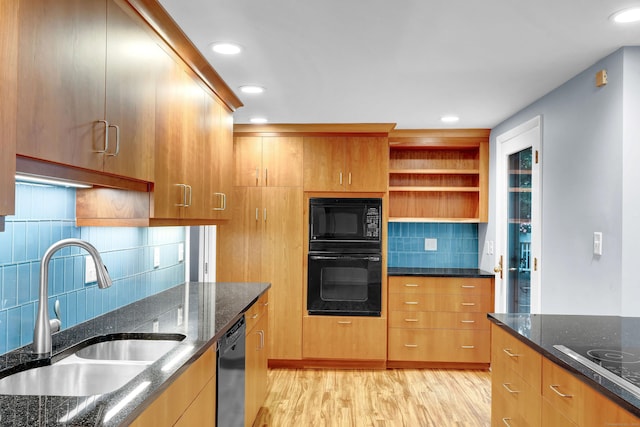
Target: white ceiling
[[401, 61]]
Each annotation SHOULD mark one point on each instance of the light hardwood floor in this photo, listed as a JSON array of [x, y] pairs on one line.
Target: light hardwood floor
[[380, 398]]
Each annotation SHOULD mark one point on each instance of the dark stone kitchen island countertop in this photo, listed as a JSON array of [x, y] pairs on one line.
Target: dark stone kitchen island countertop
[[439, 272], [202, 312], [542, 331]]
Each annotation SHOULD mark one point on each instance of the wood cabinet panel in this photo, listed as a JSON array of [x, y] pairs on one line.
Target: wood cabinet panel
[[562, 390], [439, 285], [268, 161], [514, 400], [366, 163], [59, 104], [440, 303], [202, 412], [338, 337], [437, 320], [8, 112], [510, 353], [247, 154], [439, 345], [174, 401], [256, 363], [323, 163]]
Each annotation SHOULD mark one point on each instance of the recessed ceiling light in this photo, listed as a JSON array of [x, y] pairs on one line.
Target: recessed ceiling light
[[226, 48], [626, 16], [449, 119], [251, 89], [258, 120]]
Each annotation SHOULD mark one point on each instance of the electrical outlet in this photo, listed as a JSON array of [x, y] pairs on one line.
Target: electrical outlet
[[90, 274], [430, 244], [490, 247], [180, 252], [156, 257]]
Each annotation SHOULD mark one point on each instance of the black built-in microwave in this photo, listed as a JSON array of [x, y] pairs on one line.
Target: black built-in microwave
[[349, 224]]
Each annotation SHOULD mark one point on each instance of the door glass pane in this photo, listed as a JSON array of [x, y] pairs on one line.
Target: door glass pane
[[519, 263], [344, 284]]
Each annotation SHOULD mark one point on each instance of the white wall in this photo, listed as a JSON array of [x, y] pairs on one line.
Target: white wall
[[583, 156]]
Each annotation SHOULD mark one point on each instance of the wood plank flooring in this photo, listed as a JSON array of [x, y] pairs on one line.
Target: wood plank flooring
[[377, 398]]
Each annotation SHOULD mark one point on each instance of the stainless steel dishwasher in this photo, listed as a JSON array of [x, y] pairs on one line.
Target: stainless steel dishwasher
[[230, 376]]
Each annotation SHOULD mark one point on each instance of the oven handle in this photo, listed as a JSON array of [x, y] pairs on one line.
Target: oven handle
[[345, 257]]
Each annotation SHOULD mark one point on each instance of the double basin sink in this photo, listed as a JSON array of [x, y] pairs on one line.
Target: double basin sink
[[93, 368]]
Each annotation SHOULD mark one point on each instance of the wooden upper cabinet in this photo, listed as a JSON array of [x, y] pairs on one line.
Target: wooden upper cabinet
[[267, 161], [218, 149], [8, 95], [61, 81], [92, 105], [345, 163]]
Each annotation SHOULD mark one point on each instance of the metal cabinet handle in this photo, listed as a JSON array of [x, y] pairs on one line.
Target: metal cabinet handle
[[223, 198], [509, 389], [554, 387], [467, 321], [106, 136], [254, 316], [468, 304], [184, 196], [411, 302], [344, 322], [468, 347], [411, 285], [264, 214], [506, 422], [508, 351], [349, 178], [410, 320], [261, 333], [117, 151], [340, 178], [411, 345], [190, 195], [257, 218], [468, 286], [266, 177]]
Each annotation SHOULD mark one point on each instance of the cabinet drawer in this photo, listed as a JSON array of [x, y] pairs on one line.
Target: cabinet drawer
[[440, 302], [437, 320], [514, 402], [343, 337], [553, 417], [256, 311], [439, 345], [439, 285], [563, 391], [509, 353]]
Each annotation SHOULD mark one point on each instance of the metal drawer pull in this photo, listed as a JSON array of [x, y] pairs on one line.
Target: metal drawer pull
[[554, 387], [223, 198], [344, 322], [411, 302], [468, 286], [411, 285], [254, 316], [468, 347], [410, 320], [506, 421], [508, 351], [467, 321], [411, 345], [509, 389], [468, 304]]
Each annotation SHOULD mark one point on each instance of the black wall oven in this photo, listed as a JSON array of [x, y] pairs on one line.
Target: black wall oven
[[345, 260]]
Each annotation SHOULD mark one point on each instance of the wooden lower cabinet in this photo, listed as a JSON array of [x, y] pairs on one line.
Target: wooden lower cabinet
[[530, 390], [257, 318], [344, 337], [189, 400], [8, 108], [439, 319]]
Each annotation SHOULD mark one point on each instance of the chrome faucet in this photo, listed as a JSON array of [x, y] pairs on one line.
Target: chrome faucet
[[42, 330]]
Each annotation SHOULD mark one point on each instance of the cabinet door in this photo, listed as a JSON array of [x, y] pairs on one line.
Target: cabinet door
[[366, 164], [8, 94], [202, 412], [282, 161], [194, 143], [61, 81], [336, 337], [324, 163], [282, 266], [256, 370], [219, 156], [239, 240], [247, 154], [132, 58], [168, 192]]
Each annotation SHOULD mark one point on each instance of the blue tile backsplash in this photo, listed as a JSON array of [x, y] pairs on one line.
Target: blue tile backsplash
[[457, 245], [46, 214]]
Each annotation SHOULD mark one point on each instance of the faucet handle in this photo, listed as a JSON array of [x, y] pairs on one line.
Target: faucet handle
[[56, 324]]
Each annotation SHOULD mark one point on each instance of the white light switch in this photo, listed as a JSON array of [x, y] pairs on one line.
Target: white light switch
[[597, 243], [430, 244], [156, 257], [90, 274]]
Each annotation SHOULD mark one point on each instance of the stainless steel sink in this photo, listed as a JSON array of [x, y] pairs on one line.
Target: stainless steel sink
[[94, 369], [129, 350]]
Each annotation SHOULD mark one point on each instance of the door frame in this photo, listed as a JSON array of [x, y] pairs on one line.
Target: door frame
[[527, 134]]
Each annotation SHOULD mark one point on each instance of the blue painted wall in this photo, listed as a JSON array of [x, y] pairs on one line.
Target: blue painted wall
[[45, 215], [457, 245]]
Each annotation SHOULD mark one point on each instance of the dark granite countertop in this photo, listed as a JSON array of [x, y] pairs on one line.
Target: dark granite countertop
[[438, 272], [202, 312], [542, 331]]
